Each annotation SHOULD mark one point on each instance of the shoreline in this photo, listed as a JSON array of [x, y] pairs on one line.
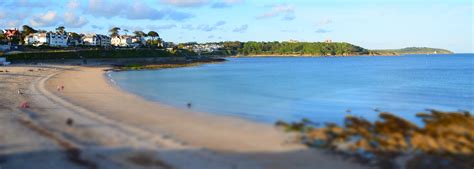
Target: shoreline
[[221, 134], [118, 126], [196, 118], [315, 56]]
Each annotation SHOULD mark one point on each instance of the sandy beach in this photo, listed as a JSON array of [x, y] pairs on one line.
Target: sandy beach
[[115, 129]]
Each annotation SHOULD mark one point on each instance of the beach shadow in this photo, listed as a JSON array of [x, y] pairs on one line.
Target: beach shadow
[[127, 157], [17, 74]]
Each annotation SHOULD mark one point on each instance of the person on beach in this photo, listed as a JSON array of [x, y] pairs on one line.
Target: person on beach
[[189, 105], [20, 92], [62, 87], [24, 105], [59, 88]]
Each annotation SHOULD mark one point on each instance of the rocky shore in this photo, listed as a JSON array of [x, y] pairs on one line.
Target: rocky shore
[[446, 140]]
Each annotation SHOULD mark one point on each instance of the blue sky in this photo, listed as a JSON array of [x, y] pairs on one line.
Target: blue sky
[[373, 24]]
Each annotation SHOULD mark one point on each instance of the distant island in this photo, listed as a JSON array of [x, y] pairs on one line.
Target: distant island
[[412, 50]]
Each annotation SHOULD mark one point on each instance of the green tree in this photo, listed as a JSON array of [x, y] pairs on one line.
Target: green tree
[[299, 48], [114, 31], [25, 31], [74, 35], [139, 34], [153, 34], [61, 30]]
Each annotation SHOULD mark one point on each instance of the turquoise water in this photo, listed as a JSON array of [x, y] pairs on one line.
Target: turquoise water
[[322, 89]]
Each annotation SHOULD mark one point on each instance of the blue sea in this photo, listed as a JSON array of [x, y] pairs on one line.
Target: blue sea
[[323, 89]]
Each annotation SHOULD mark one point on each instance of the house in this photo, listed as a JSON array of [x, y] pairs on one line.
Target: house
[[90, 40], [51, 39], [11, 33], [207, 47], [96, 40], [59, 40], [122, 41], [104, 40], [74, 40], [37, 39], [139, 40]]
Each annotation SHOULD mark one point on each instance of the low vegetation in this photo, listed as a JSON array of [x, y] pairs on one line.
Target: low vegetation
[[446, 140], [168, 64], [99, 53]]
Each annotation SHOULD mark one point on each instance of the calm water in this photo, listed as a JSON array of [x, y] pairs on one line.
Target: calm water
[[323, 89]]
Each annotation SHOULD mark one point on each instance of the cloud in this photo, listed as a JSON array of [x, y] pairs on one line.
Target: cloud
[[50, 18], [2, 14], [74, 21], [289, 31], [97, 27], [324, 22], [226, 3], [288, 17], [29, 4], [185, 3], [176, 15], [241, 29], [73, 4], [130, 28], [204, 27], [135, 10], [210, 36], [104, 8], [187, 27], [322, 31], [10, 23], [161, 27], [139, 10], [220, 23], [277, 10]]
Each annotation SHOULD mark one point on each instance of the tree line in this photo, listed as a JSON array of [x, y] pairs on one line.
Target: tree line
[[293, 48]]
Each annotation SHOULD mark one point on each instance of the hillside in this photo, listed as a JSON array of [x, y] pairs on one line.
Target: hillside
[[293, 49], [314, 49], [410, 50]]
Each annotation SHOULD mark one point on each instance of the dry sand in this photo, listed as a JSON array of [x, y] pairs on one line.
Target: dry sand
[[116, 129]]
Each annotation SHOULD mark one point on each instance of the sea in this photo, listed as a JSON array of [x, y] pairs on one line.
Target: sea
[[321, 89]]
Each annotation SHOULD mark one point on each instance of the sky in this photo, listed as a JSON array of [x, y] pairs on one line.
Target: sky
[[372, 24]]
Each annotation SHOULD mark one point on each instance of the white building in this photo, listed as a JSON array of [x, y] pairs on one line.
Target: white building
[[105, 40], [37, 39], [51, 39], [208, 47], [96, 40], [139, 40], [58, 39], [122, 41]]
